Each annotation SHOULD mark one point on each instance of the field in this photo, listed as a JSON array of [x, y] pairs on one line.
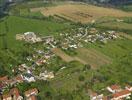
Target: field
[[110, 63], [126, 8], [81, 12], [116, 26], [62, 55], [93, 57], [85, 56], [19, 25]]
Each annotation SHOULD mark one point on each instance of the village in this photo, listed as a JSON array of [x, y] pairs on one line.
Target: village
[[27, 72], [113, 92]]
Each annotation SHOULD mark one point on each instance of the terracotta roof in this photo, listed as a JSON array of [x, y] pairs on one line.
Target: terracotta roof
[[105, 98], [19, 78], [115, 87], [33, 97], [10, 81], [5, 96], [118, 94], [94, 94], [29, 92], [128, 86], [15, 92], [4, 78], [2, 85]]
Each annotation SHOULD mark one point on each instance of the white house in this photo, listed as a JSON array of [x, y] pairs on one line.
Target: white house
[[128, 87], [114, 88], [29, 78], [95, 96]]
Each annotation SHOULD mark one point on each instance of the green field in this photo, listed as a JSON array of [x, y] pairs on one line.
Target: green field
[[19, 25], [17, 49], [113, 59], [126, 8], [116, 26]]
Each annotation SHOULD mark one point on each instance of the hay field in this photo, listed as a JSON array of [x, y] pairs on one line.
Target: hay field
[[81, 12], [93, 57], [62, 55], [85, 56]]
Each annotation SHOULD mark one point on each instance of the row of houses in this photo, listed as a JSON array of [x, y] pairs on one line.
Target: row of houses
[[115, 93], [14, 94], [75, 38]]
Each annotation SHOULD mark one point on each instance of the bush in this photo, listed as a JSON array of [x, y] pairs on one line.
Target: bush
[[81, 78]]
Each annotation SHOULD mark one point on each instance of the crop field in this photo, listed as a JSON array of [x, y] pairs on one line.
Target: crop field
[[81, 12], [93, 57], [116, 26], [85, 56]]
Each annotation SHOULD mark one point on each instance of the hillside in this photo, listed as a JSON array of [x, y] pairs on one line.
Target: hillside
[[80, 13]]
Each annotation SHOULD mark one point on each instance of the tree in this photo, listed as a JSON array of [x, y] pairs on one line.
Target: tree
[[81, 78], [86, 67]]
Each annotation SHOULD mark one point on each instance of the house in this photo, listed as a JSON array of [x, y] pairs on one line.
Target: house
[[11, 82], [3, 79], [29, 78], [46, 75], [48, 39], [15, 94], [23, 67], [32, 97], [19, 79], [6, 97], [31, 92], [121, 95], [40, 62], [95, 96], [114, 88], [128, 87]]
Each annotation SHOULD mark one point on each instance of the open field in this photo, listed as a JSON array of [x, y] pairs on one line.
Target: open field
[[19, 25], [93, 57], [85, 56], [62, 55], [81, 12], [115, 25]]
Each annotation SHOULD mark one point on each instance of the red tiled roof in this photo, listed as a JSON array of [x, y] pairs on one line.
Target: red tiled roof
[[94, 94], [31, 91], [4, 78], [19, 78], [10, 81], [15, 92], [33, 97], [118, 94], [105, 98], [5, 96], [115, 87]]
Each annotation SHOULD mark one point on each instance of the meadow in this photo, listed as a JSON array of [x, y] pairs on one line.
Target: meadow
[[80, 12], [72, 82], [119, 26], [19, 25]]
